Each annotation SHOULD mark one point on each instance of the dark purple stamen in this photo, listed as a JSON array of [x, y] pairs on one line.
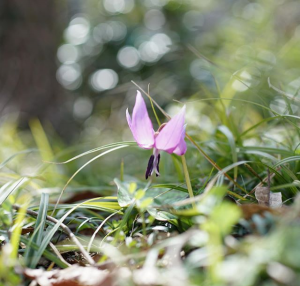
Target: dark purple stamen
[[149, 167], [157, 166]]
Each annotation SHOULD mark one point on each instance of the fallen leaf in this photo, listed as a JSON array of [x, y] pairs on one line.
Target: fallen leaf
[[262, 194], [276, 200], [267, 198], [71, 276]]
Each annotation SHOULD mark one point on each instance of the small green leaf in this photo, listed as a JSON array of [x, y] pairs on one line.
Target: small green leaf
[[146, 203], [139, 194], [125, 198], [132, 187]]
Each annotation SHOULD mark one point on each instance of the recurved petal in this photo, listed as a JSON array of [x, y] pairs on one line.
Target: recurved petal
[[181, 148], [128, 118], [170, 136], [140, 124]]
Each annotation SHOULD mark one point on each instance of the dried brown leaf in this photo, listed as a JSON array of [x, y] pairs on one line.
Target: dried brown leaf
[[267, 198], [72, 276], [262, 195]]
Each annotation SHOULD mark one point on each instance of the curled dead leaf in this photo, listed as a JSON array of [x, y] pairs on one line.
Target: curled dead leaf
[[71, 276], [267, 198]]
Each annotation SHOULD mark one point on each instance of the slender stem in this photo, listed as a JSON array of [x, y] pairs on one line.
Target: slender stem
[[153, 108], [143, 223], [187, 179], [157, 119], [66, 230], [98, 229], [55, 250], [157, 105], [253, 172], [122, 171]]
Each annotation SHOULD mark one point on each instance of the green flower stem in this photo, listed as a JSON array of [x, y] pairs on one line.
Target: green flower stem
[[153, 108], [143, 224], [187, 179]]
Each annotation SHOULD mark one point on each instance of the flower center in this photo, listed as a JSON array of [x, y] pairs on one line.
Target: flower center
[[153, 164]]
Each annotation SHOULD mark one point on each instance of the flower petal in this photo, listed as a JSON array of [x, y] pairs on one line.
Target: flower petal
[[181, 148], [140, 124], [170, 136], [128, 118]]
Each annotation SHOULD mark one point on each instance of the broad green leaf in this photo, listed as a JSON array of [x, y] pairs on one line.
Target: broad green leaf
[[125, 198], [161, 215]]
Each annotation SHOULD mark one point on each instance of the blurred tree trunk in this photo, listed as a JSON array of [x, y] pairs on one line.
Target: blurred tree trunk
[[29, 36]]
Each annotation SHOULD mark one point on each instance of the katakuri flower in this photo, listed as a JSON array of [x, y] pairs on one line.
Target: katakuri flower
[[169, 137]]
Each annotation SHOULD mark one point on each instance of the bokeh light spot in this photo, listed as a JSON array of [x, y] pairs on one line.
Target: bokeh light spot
[[193, 20], [199, 70], [162, 41], [77, 31], [128, 57], [294, 87], [243, 82], [154, 19], [69, 76], [119, 30], [149, 52], [155, 3], [67, 53], [104, 79], [118, 6], [109, 31], [82, 108]]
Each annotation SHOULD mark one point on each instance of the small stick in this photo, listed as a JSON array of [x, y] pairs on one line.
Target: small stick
[[66, 231], [269, 186], [253, 172], [58, 253]]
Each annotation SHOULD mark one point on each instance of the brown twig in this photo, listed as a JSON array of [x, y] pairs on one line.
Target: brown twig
[[253, 172], [55, 250], [66, 230]]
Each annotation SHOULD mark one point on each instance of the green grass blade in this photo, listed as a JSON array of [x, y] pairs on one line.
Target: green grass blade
[[16, 231], [225, 130], [38, 234], [17, 154], [287, 160], [169, 186], [52, 230], [112, 145], [47, 254], [83, 166], [9, 188]]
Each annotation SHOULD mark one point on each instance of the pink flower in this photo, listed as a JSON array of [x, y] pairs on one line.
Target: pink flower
[[169, 137]]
